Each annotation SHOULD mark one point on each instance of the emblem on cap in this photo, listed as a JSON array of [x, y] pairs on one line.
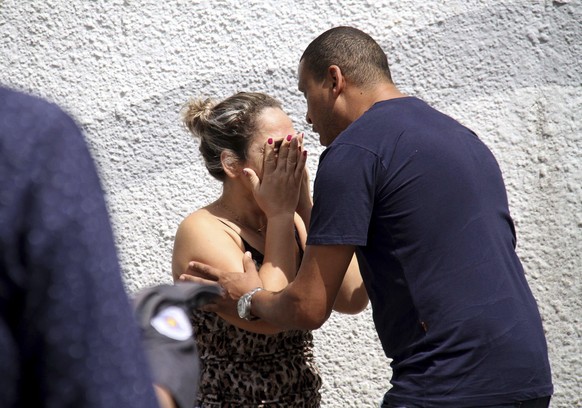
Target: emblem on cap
[[172, 322]]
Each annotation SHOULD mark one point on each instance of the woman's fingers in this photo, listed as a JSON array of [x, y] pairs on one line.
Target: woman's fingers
[[279, 187], [300, 168], [290, 154], [270, 156], [294, 153], [253, 178], [283, 153]]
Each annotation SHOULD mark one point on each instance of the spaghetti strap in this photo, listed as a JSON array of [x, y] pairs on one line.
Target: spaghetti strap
[[258, 257]]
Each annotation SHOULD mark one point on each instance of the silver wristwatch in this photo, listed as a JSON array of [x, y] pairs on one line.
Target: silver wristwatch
[[244, 305]]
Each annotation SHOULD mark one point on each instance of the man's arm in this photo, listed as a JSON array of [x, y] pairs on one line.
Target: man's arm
[[165, 398], [305, 303]]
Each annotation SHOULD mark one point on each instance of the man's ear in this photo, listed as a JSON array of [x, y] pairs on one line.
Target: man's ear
[[337, 80], [230, 163]]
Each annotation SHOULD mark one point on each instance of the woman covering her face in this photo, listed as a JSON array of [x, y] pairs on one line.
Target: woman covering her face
[[247, 362]]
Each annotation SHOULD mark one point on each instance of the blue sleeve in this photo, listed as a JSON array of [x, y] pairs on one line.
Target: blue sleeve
[[343, 193], [65, 313]]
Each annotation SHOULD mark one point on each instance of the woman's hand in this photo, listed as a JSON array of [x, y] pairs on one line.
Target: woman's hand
[[283, 171]]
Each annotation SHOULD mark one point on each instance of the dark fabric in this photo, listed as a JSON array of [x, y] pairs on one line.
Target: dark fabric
[[258, 257], [423, 199], [68, 337], [174, 360], [543, 402]]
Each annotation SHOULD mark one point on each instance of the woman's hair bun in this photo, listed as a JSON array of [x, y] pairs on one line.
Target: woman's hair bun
[[196, 114]]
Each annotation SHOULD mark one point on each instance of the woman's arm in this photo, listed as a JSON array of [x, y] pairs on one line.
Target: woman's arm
[[352, 297], [305, 203], [279, 205]]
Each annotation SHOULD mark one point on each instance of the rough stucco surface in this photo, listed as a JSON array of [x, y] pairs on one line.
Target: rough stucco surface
[[510, 70]]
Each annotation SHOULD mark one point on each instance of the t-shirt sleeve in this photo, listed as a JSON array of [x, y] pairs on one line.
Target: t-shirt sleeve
[[343, 194]]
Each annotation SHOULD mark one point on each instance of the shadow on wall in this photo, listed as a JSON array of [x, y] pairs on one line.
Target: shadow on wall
[[500, 47]]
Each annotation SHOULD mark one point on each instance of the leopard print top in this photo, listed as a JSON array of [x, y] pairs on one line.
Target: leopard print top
[[244, 369]]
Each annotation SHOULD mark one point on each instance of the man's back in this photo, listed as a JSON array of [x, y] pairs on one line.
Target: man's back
[[67, 333], [428, 209]]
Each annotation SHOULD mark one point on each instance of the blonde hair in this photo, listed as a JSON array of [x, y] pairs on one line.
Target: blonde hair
[[227, 125]]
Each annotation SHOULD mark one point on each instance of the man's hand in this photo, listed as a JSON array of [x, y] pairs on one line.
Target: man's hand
[[235, 284]]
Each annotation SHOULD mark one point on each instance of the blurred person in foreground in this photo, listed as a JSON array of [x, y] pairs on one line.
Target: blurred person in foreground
[[422, 202], [68, 336], [244, 361]]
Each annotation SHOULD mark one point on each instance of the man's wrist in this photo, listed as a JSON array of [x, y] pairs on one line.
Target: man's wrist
[[244, 305]]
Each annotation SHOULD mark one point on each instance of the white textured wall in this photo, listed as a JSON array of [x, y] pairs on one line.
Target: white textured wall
[[511, 70]]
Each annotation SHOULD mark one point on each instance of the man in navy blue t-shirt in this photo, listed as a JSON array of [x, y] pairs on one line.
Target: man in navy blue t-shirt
[[421, 201]]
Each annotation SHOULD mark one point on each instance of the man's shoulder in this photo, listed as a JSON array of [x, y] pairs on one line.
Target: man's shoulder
[[16, 101], [349, 152], [29, 123], [31, 114]]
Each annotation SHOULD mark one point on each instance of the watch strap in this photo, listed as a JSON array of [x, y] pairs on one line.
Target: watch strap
[[246, 298]]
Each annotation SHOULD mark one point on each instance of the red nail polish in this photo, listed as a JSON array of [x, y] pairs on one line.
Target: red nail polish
[[270, 141], [304, 152], [289, 137]]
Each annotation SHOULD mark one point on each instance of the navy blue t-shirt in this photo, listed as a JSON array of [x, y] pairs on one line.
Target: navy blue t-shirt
[[424, 201], [68, 337]]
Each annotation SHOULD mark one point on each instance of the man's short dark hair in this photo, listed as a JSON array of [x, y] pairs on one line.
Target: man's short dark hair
[[359, 57]]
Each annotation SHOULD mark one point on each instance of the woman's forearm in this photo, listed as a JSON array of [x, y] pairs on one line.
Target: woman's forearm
[[304, 211], [280, 261], [352, 297]]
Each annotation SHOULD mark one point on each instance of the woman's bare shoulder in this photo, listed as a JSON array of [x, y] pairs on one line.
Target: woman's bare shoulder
[[203, 226], [203, 214], [202, 237], [200, 220]]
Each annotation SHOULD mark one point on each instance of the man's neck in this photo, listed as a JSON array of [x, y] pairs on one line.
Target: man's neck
[[362, 99]]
